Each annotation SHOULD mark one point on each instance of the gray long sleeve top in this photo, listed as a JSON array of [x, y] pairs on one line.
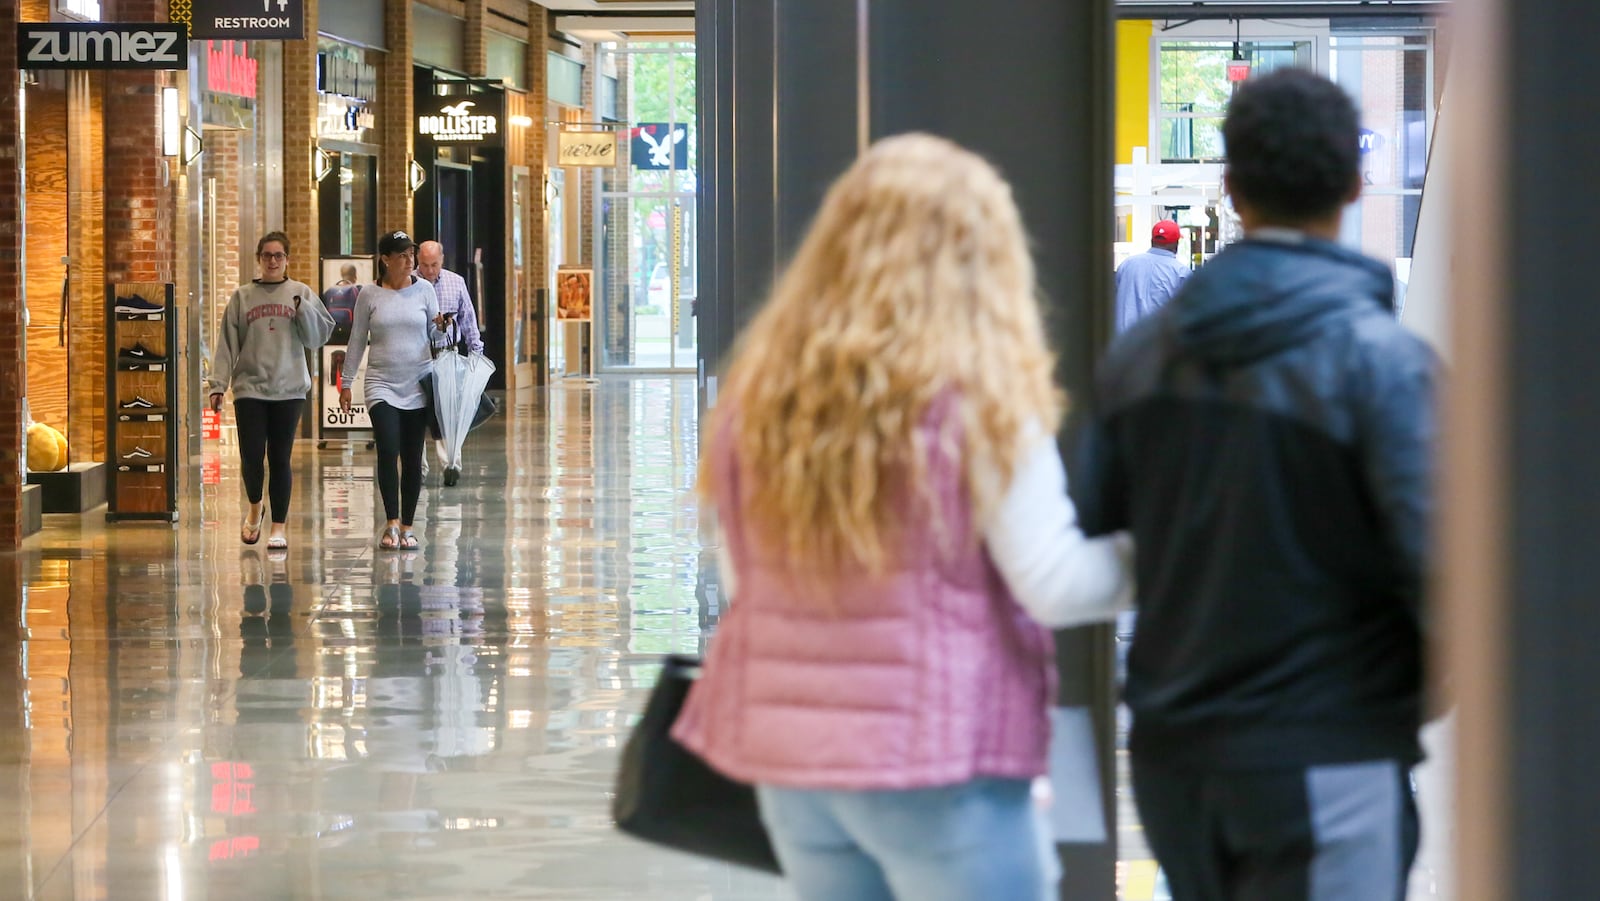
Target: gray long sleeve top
[[398, 327], [263, 338]]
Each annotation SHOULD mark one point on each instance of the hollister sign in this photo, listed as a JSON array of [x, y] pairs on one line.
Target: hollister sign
[[255, 20], [458, 120], [101, 45]]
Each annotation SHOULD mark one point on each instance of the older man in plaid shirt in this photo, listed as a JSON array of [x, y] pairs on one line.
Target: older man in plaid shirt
[[453, 298]]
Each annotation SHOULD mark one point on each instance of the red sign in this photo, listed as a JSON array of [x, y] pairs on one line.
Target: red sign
[[1239, 70], [230, 69], [210, 424]]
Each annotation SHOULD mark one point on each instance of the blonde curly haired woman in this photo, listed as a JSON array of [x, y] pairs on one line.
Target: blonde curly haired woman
[[896, 528]]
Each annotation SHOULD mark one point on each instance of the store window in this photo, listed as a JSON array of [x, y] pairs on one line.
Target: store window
[[1195, 90], [646, 266], [1391, 79]]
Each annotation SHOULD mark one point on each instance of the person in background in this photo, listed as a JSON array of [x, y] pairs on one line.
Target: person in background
[[267, 327], [1268, 438], [455, 303], [397, 319], [895, 520], [1146, 282]]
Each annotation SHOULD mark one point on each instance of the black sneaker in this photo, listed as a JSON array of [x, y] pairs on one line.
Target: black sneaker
[[451, 476], [140, 403], [137, 304], [140, 354]]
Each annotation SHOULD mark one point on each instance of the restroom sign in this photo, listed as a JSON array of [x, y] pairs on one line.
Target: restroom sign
[[474, 119], [253, 20]]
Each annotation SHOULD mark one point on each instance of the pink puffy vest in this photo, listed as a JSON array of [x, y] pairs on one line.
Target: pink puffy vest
[[932, 675]]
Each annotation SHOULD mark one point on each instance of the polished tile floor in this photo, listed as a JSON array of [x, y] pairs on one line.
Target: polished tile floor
[[191, 719]]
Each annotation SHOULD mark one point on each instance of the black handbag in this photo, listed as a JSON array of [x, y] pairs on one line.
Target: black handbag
[[431, 407], [668, 796]]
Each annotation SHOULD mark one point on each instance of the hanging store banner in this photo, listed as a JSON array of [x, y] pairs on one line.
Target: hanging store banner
[[586, 148], [101, 45], [253, 20], [474, 119], [656, 145]]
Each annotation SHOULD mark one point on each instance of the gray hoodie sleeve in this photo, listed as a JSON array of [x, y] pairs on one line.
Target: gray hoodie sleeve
[[313, 324], [227, 350]]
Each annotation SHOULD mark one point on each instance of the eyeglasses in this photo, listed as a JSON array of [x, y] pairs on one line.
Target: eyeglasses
[[274, 257]]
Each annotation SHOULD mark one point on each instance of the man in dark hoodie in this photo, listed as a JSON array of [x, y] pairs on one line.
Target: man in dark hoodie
[[1267, 438]]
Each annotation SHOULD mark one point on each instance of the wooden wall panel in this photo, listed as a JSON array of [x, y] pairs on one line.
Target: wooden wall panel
[[86, 330], [46, 162]]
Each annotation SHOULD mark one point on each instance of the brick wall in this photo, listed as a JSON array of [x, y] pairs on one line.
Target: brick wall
[[584, 252], [139, 193], [477, 53], [395, 207], [221, 162], [299, 140], [535, 150], [12, 370]]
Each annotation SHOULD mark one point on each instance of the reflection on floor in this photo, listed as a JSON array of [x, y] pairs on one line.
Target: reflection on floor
[[190, 718]]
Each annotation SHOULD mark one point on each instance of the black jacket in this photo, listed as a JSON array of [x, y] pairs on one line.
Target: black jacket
[[1268, 439]]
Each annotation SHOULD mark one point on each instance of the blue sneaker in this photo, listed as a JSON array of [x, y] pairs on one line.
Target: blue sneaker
[[137, 304]]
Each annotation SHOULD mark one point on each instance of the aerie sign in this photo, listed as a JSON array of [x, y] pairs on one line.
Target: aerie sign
[[230, 69], [102, 46]]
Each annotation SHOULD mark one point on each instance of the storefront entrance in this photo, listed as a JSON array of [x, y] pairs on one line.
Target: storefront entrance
[[644, 213]]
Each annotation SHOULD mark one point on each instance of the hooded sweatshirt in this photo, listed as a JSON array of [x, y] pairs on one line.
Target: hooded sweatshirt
[[262, 341], [1267, 438]]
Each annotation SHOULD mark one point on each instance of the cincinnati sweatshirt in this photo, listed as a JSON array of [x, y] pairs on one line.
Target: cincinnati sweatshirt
[[262, 341]]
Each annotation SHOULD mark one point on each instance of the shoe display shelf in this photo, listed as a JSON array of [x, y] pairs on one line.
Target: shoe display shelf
[[141, 402]]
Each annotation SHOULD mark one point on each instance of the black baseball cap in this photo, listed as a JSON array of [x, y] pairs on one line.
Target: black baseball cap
[[395, 242]]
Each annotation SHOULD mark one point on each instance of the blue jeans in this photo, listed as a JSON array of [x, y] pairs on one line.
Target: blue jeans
[[969, 842]]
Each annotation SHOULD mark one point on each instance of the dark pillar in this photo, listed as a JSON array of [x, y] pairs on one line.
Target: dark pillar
[[1028, 86], [762, 176], [1522, 484]]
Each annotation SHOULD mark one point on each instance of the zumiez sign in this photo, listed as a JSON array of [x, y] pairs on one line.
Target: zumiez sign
[[460, 123], [102, 45]]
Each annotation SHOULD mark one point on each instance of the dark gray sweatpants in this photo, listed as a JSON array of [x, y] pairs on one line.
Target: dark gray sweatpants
[[1344, 832]]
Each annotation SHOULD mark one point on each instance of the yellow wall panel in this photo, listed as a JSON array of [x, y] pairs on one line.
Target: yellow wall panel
[[1133, 87]]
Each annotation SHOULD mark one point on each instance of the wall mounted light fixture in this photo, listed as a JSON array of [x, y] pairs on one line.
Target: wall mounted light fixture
[[321, 164], [171, 123], [416, 176], [193, 145], [521, 121]]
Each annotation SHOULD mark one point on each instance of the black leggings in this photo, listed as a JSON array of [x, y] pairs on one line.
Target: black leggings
[[267, 429], [400, 435]]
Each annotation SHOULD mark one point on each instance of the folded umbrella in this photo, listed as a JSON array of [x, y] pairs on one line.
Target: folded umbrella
[[458, 383]]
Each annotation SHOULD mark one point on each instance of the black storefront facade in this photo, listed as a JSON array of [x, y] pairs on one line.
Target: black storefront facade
[[460, 182]]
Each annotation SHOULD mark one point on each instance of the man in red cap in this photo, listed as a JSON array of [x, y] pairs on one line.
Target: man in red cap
[[1147, 281]]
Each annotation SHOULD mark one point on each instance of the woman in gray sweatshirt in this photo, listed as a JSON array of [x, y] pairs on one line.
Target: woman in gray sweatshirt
[[266, 330], [397, 319]]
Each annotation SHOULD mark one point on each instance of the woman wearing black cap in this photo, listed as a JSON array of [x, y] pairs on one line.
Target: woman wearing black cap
[[397, 318]]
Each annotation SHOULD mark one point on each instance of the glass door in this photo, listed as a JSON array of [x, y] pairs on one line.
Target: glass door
[[644, 239], [1390, 76]]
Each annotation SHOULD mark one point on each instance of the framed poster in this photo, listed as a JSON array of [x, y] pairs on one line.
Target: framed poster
[[329, 417], [574, 293], [342, 278]]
